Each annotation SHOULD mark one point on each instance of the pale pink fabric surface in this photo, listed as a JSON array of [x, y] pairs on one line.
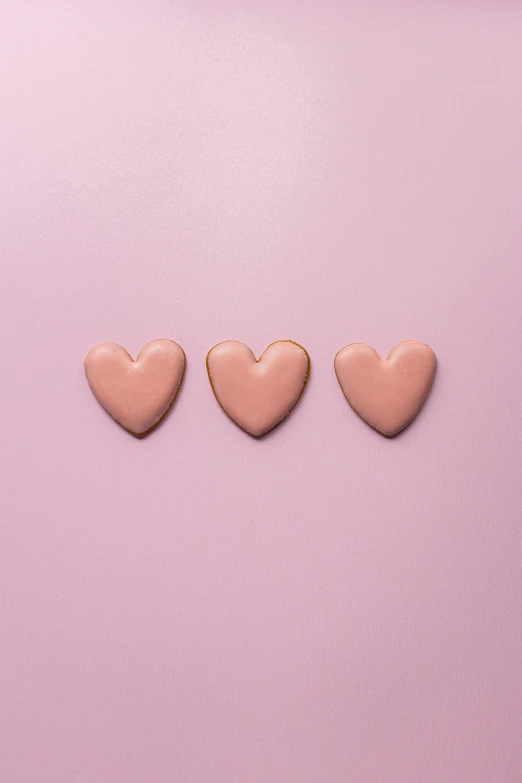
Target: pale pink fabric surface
[[322, 604], [258, 394]]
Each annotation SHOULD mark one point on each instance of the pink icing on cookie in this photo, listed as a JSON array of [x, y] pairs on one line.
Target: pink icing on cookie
[[137, 394], [258, 395], [386, 394]]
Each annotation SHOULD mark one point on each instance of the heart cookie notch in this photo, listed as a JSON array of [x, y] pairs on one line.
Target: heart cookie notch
[[389, 394], [258, 394], [137, 394]]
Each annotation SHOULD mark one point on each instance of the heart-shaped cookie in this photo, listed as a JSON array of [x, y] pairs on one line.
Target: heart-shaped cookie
[[386, 394], [137, 394], [258, 394]]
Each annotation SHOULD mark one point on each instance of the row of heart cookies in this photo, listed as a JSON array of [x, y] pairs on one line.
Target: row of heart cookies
[[258, 394]]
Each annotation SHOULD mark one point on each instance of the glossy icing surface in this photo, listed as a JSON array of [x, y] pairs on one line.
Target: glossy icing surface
[[258, 395], [386, 394], [137, 394]]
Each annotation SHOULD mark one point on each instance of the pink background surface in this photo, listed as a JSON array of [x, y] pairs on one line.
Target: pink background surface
[[323, 605]]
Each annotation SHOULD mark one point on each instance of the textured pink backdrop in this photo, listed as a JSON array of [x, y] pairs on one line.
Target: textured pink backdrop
[[323, 606]]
